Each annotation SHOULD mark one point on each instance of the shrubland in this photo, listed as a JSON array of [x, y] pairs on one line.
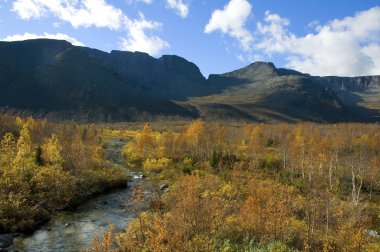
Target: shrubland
[[255, 187], [46, 167], [232, 186]]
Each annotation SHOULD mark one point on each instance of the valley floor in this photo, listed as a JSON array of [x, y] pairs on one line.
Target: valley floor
[[223, 186], [250, 187]]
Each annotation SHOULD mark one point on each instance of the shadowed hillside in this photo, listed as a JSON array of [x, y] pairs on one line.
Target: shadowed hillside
[[54, 79], [266, 93]]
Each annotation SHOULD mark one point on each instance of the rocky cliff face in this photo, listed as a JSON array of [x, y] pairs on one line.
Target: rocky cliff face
[[169, 77]]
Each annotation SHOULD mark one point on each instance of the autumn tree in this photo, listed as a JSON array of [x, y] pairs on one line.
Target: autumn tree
[[145, 141], [267, 210], [195, 136], [7, 151], [24, 159], [52, 152]]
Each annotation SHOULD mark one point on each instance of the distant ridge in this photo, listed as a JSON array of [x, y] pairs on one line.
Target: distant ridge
[[54, 79]]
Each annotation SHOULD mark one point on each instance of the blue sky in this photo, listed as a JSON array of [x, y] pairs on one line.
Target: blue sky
[[321, 37]]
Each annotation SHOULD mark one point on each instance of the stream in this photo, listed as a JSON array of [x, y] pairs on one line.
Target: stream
[[74, 230]]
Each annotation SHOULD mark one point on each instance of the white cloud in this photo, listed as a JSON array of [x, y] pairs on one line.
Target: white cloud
[[346, 47], [232, 20], [60, 36], [84, 13], [275, 31], [27, 9], [374, 51], [138, 40], [181, 8], [96, 13]]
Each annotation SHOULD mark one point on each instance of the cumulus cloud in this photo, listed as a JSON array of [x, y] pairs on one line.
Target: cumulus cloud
[[85, 13], [60, 36], [345, 47], [95, 13], [180, 7], [232, 21], [138, 40]]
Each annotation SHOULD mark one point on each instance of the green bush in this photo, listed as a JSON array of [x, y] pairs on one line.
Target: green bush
[[186, 169], [270, 161]]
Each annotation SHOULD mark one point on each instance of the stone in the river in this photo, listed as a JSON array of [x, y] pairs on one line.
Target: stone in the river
[[372, 233], [164, 186]]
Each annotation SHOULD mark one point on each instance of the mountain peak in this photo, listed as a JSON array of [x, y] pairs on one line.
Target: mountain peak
[[174, 57], [119, 52], [256, 71], [262, 64]]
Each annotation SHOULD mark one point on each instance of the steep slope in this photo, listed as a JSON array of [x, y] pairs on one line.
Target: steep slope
[[19, 57], [169, 77], [353, 91], [53, 77]]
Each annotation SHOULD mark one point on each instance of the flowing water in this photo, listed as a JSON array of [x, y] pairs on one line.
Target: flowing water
[[73, 230]]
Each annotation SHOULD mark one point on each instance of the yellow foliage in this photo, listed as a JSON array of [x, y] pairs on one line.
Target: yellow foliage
[[145, 142], [267, 210], [195, 131], [227, 190], [133, 157], [54, 184], [187, 161], [372, 247], [7, 151], [52, 151], [157, 165], [103, 244], [24, 149]]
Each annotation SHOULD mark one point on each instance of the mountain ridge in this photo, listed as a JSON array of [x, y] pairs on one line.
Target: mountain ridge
[[53, 77]]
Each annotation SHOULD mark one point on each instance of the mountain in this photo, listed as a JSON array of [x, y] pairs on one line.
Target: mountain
[[262, 92], [54, 79], [169, 77]]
